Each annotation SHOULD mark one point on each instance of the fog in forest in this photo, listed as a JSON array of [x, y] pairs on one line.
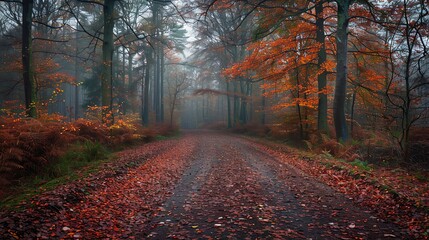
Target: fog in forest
[[214, 119], [300, 69]]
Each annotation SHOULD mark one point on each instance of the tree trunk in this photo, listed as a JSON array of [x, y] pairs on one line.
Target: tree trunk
[[322, 113], [251, 104], [228, 104], [406, 117], [352, 112], [162, 84], [298, 107], [158, 84], [106, 75], [173, 105], [145, 116], [77, 70], [244, 88], [157, 69], [124, 102], [341, 75], [27, 60], [236, 104], [131, 88]]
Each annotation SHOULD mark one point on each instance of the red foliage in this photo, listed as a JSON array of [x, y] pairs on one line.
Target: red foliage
[[28, 145], [109, 203]]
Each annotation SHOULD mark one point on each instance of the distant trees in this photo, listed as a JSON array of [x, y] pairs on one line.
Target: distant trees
[[110, 38], [39, 26], [177, 85], [223, 33], [407, 24]]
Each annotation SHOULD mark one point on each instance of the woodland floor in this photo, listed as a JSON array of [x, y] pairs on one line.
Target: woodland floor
[[203, 185]]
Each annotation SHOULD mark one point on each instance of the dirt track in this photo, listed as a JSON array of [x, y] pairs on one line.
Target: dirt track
[[205, 185], [234, 190]]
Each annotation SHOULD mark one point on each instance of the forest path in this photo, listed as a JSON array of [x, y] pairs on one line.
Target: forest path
[[234, 190], [204, 185]]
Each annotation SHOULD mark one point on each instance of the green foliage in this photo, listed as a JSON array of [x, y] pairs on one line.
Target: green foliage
[[93, 151], [78, 156], [422, 176], [80, 160], [361, 165], [160, 137], [35, 152]]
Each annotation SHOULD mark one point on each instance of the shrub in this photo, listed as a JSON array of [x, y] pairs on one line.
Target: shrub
[[32, 146], [77, 155], [361, 165]]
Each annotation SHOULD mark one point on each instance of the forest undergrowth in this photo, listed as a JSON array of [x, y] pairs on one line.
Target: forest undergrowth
[[33, 152]]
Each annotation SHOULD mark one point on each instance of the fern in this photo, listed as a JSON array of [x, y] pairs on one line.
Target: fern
[[29, 146]]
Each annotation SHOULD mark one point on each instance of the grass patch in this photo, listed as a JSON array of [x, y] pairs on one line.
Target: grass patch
[[421, 176], [362, 165], [79, 161], [78, 156], [389, 189], [161, 137]]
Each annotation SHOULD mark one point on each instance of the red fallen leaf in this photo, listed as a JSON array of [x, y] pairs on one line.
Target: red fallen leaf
[[155, 186]]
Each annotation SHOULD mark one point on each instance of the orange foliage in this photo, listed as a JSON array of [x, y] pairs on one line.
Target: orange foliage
[[287, 66], [27, 146]]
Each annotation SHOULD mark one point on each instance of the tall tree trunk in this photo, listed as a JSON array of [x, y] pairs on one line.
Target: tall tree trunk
[[244, 88], [106, 74], [251, 104], [341, 75], [162, 83], [173, 105], [131, 89], [352, 112], [158, 91], [406, 109], [27, 60], [322, 111], [77, 93], [228, 104], [145, 113], [124, 103], [77, 70], [157, 69], [236, 104], [298, 106]]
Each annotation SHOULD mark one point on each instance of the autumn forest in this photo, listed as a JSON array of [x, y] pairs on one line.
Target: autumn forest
[[202, 119]]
